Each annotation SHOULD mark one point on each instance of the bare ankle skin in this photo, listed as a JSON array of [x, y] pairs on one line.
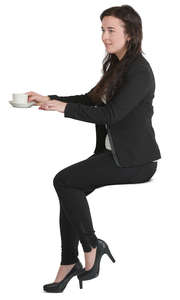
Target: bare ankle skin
[[63, 271], [90, 258]]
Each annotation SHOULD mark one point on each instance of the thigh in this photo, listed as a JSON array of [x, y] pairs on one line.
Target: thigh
[[101, 170]]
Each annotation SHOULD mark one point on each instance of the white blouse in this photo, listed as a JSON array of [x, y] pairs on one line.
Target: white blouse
[[107, 143]]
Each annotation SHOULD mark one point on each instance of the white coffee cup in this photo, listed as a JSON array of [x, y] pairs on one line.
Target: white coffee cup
[[20, 98]]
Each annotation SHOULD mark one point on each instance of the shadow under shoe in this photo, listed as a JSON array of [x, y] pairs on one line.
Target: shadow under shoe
[[58, 287], [102, 248]]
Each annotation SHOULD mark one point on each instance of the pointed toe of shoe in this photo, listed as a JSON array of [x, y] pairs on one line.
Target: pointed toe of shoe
[[49, 287], [58, 287]]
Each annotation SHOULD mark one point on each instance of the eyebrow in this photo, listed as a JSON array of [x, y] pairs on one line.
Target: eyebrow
[[107, 27]]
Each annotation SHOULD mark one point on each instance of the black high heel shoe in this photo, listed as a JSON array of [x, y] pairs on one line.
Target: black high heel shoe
[[58, 287], [102, 248]]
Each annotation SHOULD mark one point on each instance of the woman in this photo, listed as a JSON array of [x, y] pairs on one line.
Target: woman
[[120, 106]]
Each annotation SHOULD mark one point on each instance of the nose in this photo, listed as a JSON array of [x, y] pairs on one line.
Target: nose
[[105, 40], [105, 36]]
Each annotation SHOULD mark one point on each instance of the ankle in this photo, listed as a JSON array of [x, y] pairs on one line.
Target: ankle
[[92, 250], [67, 266]]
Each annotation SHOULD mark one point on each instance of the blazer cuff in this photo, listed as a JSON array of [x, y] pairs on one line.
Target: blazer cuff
[[68, 112], [52, 96]]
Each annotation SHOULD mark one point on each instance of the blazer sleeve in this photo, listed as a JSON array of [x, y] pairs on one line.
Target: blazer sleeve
[[137, 86], [83, 99]]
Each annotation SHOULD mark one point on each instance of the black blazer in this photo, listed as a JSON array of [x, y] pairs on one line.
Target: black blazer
[[128, 117]]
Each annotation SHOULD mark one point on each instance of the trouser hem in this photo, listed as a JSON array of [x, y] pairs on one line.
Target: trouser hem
[[88, 242], [69, 261]]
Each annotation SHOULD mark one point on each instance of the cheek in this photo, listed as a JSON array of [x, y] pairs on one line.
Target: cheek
[[120, 42]]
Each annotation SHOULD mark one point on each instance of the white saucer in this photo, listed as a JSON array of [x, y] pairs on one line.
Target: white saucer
[[22, 105]]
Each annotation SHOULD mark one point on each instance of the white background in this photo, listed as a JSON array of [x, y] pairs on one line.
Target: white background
[[55, 47]]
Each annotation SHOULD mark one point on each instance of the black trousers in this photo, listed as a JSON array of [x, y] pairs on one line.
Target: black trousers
[[74, 183]]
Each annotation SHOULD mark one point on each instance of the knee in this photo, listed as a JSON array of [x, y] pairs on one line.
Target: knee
[[55, 181], [154, 168], [151, 171], [59, 179]]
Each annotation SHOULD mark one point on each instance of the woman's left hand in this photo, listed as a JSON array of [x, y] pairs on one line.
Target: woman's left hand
[[53, 105]]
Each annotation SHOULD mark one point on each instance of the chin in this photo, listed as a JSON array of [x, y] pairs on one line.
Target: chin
[[111, 52]]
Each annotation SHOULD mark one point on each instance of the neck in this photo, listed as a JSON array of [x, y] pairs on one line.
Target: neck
[[121, 54]]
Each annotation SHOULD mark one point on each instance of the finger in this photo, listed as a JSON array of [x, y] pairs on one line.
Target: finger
[[33, 98], [48, 104], [29, 98], [42, 106], [29, 93], [48, 107]]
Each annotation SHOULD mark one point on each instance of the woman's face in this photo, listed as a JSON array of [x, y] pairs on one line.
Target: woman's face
[[113, 35]]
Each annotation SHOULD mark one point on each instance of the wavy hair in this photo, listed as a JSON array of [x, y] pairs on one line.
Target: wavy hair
[[114, 70]]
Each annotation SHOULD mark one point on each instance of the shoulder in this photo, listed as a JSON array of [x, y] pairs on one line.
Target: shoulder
[[140, 67], [140, 70], [140, 63]]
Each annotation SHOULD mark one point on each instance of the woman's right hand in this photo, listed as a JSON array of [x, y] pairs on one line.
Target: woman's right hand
[[39, 99]]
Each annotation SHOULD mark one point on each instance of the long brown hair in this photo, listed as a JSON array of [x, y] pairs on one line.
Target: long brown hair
[[113, 71]]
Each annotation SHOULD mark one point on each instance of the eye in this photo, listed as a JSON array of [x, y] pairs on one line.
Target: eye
[[109, 30]]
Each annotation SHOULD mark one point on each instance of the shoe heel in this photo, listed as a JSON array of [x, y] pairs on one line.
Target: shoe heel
[[80, 284], [108, 252]]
